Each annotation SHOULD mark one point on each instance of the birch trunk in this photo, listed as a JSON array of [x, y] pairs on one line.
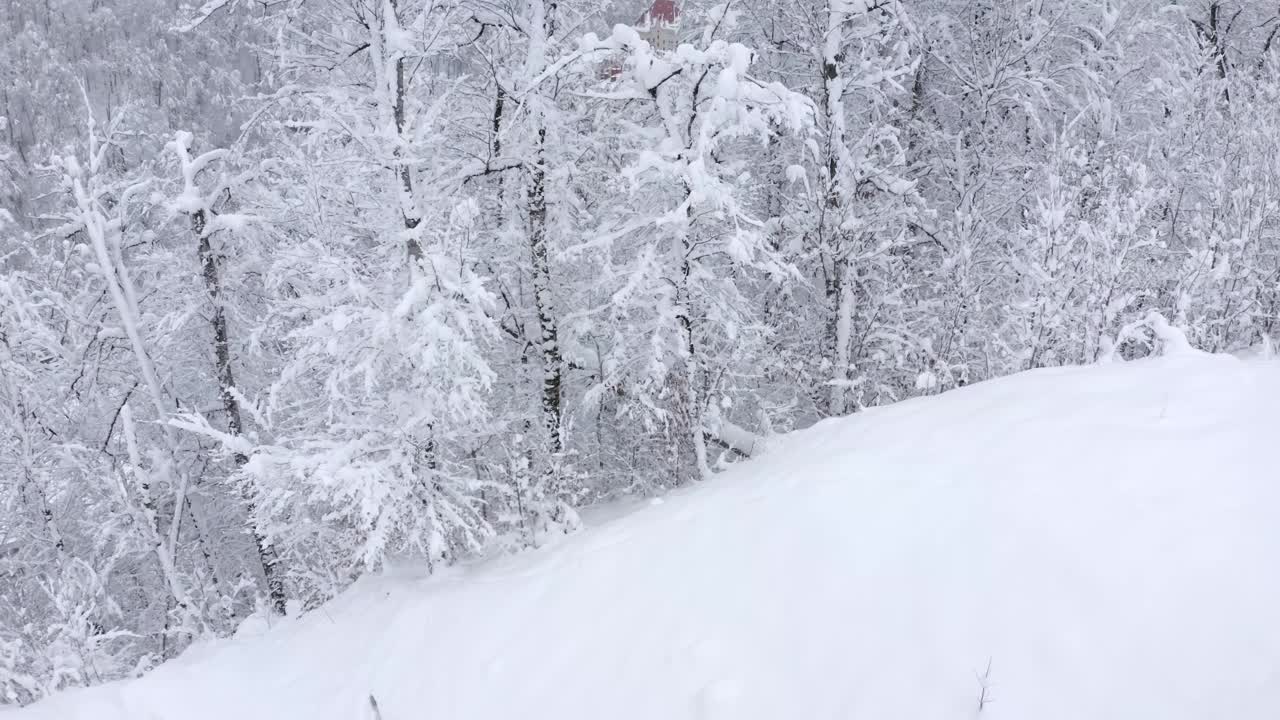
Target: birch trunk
[[835, 256], [540, 27]]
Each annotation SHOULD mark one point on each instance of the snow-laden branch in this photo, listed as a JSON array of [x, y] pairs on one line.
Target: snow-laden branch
[[204, 13], [1171, 340]]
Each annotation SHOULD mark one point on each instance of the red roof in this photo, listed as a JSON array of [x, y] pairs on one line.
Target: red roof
[[662, 11]]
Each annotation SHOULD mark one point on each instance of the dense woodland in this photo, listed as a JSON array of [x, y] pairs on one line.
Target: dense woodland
[[294, 289]]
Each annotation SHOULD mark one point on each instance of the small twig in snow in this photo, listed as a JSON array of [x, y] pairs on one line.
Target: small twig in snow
[[984, 682]]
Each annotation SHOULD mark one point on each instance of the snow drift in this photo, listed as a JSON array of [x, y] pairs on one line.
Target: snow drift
[[1097, 542]]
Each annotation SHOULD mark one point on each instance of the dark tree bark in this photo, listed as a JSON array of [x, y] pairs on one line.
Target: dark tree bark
[[212, 272], [548, 340], [548, 333]]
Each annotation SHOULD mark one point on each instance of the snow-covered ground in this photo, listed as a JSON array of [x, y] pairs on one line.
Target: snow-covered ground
[[1099, 542]]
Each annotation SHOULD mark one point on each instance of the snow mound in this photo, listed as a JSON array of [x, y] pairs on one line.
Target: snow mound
[[1097, 542]]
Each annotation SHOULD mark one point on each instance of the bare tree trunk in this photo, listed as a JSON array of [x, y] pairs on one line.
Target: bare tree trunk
[[28, 488], [690, 396], [541, 26], [549, 346], [408, 201], [843, 307], [393, 88], [1212, 34], [835, 261], [212, 272]]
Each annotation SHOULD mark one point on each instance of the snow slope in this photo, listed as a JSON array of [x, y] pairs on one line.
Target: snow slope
[[1099, 542]]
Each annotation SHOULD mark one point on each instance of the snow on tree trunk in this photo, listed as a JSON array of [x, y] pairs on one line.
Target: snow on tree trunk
[[103, 234], [541, 24], [198, 207]]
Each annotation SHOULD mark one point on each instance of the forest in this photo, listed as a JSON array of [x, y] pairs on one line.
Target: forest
[[292, 291]]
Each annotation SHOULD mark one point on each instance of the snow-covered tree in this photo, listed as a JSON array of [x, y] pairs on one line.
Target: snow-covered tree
[[332, 283], [682, 249]]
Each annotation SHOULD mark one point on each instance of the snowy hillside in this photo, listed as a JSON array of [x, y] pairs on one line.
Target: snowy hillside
[[1097, 542]]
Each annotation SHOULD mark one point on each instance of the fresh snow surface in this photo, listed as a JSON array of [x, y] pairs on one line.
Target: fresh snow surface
[[1099, 542]]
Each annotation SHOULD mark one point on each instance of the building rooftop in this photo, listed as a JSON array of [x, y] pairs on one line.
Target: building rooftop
[[664, 12]]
